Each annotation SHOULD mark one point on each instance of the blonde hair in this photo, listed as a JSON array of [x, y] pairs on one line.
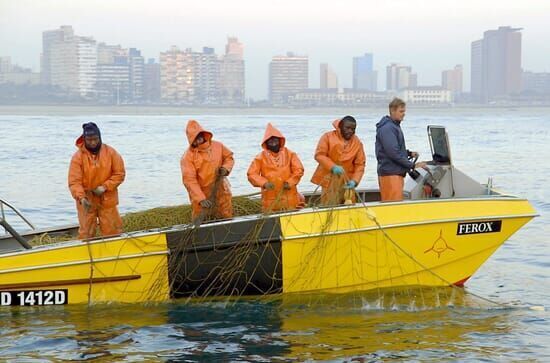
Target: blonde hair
[[396, 102]]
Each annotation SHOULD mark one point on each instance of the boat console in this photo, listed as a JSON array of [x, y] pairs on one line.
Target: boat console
[[440, 179]]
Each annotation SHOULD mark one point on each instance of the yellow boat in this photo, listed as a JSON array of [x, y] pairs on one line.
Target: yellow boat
[[439, 235]]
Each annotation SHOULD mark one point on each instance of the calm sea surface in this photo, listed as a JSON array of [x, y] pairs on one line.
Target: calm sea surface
[[512, 146]]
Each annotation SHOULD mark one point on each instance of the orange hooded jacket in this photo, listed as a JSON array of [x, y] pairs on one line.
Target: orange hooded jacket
[[88, 171], [332, 149], [199, 166], [277, 168]]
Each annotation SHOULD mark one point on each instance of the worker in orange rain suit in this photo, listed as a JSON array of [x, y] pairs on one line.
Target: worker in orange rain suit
[[341, 159], [204, 166], [277, 170], [95, 173]]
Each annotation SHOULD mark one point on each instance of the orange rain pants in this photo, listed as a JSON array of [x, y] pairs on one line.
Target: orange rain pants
[[88, 171], [277, 168], [391, 188], [199, 170], [332, 150], [110, 222]]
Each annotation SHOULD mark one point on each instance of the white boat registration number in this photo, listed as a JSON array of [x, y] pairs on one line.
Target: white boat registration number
[[33, 297]]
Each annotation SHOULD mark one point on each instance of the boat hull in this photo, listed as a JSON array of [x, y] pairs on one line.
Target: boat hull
[[129, 269], [426, 244], [337, 250]]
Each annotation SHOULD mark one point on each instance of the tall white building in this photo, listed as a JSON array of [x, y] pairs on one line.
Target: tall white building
[[72, 63], [49, 37], [288, 75], [189, 77], [136, 70]]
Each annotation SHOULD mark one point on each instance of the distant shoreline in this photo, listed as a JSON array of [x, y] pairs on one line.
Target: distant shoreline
[[70, 110]]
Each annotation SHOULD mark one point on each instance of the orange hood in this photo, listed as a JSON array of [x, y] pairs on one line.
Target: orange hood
[[336, 124], [79, 142], [271, 131], [193, 129]]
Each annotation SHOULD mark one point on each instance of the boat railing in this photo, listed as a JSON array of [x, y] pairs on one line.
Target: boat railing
[[8, 228], [16, 211]]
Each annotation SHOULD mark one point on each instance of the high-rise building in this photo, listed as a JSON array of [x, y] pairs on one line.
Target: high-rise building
[[452, 80], [232, 82], [190, 77], [135, 70], [48, 38], [329, 79], [73, 65], [288, 75], [500, 63], [476, 70], [106, 53], [202, 77], [113, 80], [206, 74], [151, 81], [234, 48], [399, 77], [119, 74], [176, 76], [364, 76]]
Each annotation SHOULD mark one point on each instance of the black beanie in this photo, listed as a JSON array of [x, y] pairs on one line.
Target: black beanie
[[91, 129]]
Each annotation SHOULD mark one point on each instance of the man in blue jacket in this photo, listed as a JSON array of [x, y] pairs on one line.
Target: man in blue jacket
[[392, 154]]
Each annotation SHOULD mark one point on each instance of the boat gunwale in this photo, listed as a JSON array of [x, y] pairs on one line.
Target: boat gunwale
[[182, 227], [407, 224]]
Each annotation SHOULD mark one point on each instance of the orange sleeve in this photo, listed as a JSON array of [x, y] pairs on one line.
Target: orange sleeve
[[189, 178], [75, 177], [254, 173], [296, 169], [359, 165], [118, 172], [227, 158], [321, 153]]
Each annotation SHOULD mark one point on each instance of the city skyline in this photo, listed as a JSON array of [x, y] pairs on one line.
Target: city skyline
[[326, 34]]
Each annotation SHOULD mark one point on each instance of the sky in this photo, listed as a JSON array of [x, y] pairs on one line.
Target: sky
[[429, 35]]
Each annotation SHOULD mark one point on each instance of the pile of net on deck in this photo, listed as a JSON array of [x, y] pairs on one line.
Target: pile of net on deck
[[159, 218]]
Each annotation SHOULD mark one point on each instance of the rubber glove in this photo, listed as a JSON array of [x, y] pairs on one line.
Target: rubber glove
[[86, 204], [269, 186], [223, 171], [99, 190], [350, 184], [205, 203], [337, 170]]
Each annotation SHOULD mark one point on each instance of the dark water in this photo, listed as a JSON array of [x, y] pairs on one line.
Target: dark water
[[511, 146]]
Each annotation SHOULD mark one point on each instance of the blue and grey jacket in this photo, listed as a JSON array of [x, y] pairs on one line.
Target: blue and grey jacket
[[391, 152]]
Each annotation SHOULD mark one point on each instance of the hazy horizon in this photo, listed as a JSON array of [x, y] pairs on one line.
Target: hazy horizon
[[428, 35]]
